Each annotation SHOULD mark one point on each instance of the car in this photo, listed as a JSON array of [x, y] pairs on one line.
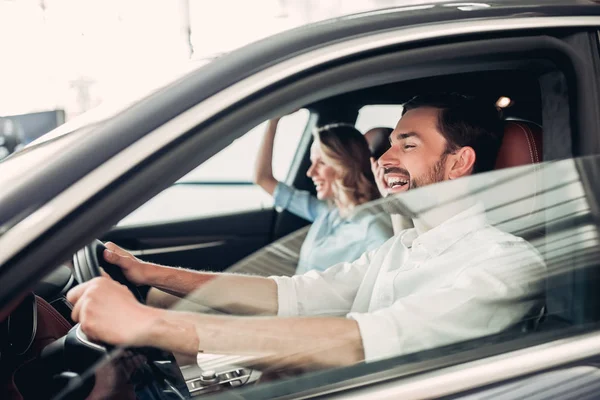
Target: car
[[131, 177], [11, 136]]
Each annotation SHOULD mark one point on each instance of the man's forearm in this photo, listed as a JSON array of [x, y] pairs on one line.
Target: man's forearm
[[304, 343], [231, 293]]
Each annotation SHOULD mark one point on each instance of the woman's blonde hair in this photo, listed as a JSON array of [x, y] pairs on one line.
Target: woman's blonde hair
[[347, 151]]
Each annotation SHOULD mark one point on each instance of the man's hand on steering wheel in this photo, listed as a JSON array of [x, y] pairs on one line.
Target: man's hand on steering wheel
[[108, 312], [134, 269]]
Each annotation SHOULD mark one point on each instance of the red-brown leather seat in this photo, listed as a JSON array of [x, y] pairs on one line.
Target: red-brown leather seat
[[522, 144], [111, 378]]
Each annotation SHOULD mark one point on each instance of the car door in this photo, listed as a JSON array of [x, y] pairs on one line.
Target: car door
[[215, 215]]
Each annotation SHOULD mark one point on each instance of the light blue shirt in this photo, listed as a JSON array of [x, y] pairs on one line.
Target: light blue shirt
[[332, 239]]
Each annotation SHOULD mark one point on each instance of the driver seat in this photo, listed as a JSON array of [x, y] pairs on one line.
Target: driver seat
[[522, 144]]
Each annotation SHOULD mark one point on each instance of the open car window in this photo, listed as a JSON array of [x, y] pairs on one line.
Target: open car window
[[540, 265], [224, 183]]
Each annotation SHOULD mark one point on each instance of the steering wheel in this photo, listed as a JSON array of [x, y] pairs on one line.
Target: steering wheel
[[86, 264]]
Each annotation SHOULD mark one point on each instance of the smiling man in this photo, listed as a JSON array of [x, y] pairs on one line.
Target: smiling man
[[469, 132], [451, 279]]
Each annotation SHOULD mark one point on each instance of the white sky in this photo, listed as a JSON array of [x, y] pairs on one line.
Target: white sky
[[108, 41], [123, 47]]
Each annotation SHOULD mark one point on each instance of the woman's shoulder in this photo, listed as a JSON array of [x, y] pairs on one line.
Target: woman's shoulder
[[374, 220]]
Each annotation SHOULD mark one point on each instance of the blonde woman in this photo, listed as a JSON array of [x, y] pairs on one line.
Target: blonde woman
[[341, 172]]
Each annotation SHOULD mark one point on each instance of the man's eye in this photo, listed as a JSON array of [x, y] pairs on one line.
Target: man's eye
[[409, 146]]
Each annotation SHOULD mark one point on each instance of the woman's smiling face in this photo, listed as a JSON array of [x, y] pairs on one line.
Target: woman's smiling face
[[322, 174]]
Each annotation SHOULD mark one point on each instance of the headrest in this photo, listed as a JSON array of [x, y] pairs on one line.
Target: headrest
[[378, 140], [522, 144], [517, 210]]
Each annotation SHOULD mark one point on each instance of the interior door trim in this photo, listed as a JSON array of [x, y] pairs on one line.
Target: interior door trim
[[479, 373], [175, 249]]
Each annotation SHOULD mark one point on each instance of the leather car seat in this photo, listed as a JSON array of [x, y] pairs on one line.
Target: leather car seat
[[522, 144], [18, 383]]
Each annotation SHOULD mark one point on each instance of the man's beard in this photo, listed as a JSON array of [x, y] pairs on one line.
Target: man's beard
[[394, 205], [434, 175]]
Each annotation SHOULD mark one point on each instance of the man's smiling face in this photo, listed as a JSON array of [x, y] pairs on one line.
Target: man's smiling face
[[418, 153]]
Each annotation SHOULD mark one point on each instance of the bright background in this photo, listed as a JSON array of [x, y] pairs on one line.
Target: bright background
[[75, 54]]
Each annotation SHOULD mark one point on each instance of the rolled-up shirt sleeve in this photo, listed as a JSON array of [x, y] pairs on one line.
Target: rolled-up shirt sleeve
[[321, 293], [485, 298], [298, 202]]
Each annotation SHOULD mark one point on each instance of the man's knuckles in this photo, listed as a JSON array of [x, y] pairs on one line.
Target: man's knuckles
[[98, 284], [123, 261], [75, 294], [117, 250], [97, 289], [89, 324], [95, 330]]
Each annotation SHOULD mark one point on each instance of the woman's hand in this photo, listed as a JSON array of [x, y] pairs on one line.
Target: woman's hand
[[378, 174]]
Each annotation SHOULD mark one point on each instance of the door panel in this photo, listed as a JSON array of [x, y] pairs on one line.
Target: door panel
[[212, 243]]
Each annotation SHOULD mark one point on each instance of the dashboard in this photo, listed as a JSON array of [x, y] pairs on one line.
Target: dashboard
[[57, 283]]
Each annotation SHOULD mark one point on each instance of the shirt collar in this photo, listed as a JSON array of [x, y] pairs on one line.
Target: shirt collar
[[441, 237]]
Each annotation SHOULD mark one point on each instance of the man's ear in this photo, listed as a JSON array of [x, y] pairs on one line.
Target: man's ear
[[463, 162]]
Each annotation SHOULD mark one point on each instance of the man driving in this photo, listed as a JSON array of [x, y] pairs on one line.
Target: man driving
[[451, 278]]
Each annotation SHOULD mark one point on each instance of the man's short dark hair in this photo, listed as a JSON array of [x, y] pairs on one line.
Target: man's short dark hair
[[466, 121]]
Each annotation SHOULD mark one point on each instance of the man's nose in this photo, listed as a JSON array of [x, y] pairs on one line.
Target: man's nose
[[386, 158]]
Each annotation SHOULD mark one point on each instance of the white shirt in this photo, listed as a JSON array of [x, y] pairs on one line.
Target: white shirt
[[460, 280]]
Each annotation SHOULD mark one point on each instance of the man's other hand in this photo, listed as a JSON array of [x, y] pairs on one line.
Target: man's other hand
[[134, 269], [108, 312]]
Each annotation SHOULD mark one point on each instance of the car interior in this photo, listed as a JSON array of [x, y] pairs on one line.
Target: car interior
[[539, 95], [242, 234]]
